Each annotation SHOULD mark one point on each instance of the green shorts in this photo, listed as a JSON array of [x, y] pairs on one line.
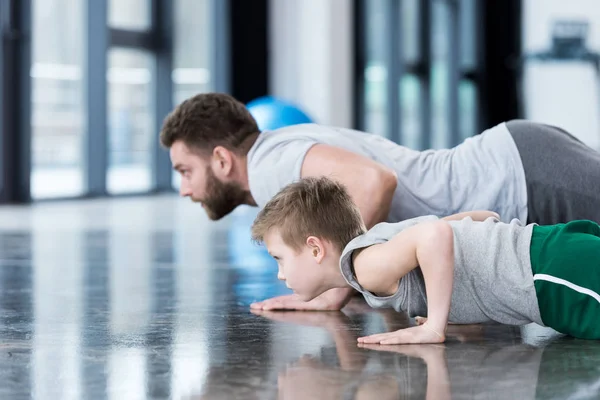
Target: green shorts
[[565, 260]]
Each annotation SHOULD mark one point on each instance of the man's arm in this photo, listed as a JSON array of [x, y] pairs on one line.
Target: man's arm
[[331, 300], [370, 184], [479, 215], [380, 267]]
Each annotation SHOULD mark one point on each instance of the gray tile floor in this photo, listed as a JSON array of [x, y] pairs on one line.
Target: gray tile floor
[[143, 298]]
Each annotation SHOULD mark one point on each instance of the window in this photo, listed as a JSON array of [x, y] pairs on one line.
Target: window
[[375, 75], [130, 14], [57, 110], [429, 49], [192, 44], [468, 91], [440, 54], [411, 94], [191, 48], [131, 119], [95, 82]]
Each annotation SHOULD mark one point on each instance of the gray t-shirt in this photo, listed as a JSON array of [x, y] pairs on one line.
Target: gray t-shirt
[[484, 172], [493, 280]]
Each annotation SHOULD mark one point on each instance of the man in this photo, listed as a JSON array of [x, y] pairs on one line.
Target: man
[[519, 169]]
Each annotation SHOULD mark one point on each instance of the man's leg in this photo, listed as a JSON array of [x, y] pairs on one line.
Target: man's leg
[[562, 173]]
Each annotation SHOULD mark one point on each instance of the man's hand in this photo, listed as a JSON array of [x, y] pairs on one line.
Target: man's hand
[[416, 334], [331, 300]]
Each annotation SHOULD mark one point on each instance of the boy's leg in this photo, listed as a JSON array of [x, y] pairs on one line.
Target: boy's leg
[[566, 271], [561, 172]]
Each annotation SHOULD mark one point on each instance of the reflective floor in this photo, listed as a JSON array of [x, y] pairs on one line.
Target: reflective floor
[[144, 298]]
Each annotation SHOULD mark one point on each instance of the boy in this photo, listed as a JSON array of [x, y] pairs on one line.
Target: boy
[[464, 269]]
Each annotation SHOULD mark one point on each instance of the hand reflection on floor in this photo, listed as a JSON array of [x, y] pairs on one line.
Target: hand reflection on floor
[[489, 360]]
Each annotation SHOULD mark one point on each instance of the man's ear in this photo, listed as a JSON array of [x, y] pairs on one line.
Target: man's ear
[[222, 162]]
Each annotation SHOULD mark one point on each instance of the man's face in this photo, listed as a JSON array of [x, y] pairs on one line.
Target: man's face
[[199, 182]]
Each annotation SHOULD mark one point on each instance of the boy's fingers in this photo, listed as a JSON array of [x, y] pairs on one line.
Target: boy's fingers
[[368, 340], [272, 305], [386, 347], [372, 338], [397, 338]]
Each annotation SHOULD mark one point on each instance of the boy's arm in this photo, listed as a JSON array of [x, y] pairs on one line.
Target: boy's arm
[[379, 268], [479, 215]]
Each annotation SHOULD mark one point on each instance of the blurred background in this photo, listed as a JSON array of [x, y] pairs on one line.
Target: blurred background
[[86, 84], [134, 293]]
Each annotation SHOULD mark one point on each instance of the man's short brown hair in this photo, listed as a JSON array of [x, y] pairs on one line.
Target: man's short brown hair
[[318, 207], [208, 120]]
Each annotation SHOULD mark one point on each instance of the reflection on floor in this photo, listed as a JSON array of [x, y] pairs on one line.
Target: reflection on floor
[[143, 298]]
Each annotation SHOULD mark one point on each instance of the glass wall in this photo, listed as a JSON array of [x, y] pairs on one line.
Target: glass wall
[[153, 55], [130, 14], [375, 77], [131, 120], [440, 58], [435, 60], [411, 85], [193, 46], [468, 90], [57, 109]]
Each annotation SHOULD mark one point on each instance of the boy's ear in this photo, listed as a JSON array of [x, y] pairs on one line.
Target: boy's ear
[[317, 248]]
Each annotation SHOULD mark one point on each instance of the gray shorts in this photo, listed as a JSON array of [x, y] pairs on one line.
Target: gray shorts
[[562, 174]]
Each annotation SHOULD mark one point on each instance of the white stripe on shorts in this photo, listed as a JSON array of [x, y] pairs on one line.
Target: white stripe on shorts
[[570, 285]]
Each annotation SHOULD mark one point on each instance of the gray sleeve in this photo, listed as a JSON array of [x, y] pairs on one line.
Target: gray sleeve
[[275, 166], [380, 233]]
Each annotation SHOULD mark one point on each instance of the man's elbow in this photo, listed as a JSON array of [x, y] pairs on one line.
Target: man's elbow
[[385, 181], [374, 194]]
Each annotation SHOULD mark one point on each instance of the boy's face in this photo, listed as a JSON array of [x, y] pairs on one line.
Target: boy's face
[[302, 271]]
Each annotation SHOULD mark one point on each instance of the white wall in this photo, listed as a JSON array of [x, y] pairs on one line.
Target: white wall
[[539, 14], [562, 93], [311, 57]]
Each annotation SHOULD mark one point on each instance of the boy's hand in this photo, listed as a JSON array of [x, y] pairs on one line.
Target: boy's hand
[[426, 352], [331, 300], [416, 334]]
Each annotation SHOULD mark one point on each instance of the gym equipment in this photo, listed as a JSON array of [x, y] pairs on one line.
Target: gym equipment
[[273, 113], [559, 86]]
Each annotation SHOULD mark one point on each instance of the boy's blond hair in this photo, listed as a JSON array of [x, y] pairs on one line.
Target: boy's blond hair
[[317, 207]]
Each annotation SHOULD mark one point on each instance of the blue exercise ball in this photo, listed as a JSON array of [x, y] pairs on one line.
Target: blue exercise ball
[[273, 113]]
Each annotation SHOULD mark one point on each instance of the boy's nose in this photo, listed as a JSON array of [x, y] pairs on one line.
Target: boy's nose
[[280, 276]]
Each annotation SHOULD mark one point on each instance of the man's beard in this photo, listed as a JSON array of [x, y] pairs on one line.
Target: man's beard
[[221, 197]]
